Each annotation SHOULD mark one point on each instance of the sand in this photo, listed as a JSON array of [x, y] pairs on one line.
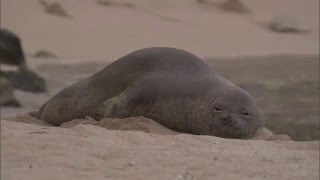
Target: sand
[[86, 151], [105, 33], [237, 45]]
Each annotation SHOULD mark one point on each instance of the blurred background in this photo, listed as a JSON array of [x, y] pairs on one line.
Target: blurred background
[[270, 48]]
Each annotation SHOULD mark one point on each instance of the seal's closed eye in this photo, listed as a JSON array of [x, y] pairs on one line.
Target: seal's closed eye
[[218, 108], [246, 113]]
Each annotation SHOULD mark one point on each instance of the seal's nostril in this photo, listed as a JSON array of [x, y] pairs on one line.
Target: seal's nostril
[[227, 121]]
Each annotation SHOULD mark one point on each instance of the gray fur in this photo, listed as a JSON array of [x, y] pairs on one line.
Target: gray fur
[[171, 86]]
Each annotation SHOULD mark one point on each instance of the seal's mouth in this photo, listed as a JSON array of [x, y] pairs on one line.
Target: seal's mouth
[[234, 134], [231, 132]]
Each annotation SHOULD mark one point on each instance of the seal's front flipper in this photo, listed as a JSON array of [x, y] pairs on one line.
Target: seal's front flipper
[[113, 108]]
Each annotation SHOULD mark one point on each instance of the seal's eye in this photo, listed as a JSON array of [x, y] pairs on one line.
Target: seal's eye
[[246, 114], [217, 108]]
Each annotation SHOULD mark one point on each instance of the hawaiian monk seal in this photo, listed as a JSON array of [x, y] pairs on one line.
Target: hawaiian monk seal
[[171, 86]]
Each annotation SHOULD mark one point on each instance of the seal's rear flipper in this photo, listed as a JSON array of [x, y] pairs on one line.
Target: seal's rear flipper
[[33, 114]]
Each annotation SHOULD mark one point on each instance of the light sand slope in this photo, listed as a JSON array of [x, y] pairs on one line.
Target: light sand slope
[[89, 152], [106, 33]]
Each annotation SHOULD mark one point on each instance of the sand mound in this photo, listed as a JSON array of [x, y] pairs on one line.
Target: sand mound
[[141, 124], [128, 124], [26, 118], [133, 123], [30, 151]]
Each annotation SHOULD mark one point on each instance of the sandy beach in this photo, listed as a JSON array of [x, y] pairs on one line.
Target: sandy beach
[[281, 71]]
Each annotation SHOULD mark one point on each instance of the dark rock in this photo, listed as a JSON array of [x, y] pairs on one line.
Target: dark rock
[[10, 48], [54, 9], [44, 54], [114, 3], [235, 6], [6, 94], [26, 80], [286, 24]]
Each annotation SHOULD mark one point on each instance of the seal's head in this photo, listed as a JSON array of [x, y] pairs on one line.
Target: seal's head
[[234, 114]]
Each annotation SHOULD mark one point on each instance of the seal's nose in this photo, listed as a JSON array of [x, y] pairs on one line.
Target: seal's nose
[[227, 120]]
